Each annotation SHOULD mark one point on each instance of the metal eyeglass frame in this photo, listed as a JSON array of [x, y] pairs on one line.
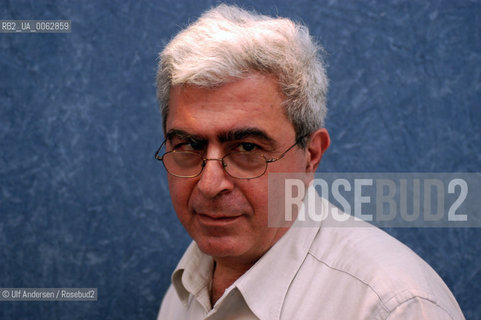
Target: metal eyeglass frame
[[224, 165]]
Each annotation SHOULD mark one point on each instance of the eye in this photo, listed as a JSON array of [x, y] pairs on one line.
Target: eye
[[189, 146], [247, 147]]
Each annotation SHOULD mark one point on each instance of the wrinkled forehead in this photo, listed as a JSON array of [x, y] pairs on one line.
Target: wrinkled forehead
[[247, 105]]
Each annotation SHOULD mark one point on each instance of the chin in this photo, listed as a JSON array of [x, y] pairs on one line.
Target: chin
[[221, 246]]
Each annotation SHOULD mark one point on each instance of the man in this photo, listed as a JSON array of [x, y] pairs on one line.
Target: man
[[242, 96]]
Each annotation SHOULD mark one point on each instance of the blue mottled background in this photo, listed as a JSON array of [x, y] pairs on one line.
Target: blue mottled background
[[84, 204]]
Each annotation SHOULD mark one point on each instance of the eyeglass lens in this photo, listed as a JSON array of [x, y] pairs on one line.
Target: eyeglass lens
[[237, 164]]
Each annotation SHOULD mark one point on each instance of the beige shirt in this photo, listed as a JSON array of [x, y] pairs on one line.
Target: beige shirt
[[327, 272]]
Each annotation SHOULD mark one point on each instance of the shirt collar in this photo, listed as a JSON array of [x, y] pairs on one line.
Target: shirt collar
[[193, 275]]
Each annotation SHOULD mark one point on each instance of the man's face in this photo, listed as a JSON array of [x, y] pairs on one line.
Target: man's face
[[227, 217]]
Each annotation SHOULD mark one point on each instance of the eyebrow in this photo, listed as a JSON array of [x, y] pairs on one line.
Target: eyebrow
[[242, 133], [183, 135], [227, 136]]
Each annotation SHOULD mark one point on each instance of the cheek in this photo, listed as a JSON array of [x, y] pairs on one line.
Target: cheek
[[180, 191], [256, 194]]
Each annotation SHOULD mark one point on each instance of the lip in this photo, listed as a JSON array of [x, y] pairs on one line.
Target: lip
[[217, 220]]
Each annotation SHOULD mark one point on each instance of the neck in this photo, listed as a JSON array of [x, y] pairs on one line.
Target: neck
[[228, 269]]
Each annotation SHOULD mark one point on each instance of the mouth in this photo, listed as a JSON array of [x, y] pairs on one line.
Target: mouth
[[217, 220]]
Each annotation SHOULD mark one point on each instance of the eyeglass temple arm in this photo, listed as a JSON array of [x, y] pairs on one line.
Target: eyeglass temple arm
[[158, 150], [284, 153]]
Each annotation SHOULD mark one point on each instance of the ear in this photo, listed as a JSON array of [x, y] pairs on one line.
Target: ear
[[316, 146]]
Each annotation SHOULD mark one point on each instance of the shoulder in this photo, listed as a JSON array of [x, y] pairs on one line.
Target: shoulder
[[381, 276]]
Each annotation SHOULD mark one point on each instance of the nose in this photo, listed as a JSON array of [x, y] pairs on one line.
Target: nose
[[213, 179]]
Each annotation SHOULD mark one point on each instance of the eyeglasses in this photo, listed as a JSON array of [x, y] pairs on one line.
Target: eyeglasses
[[237, 164]]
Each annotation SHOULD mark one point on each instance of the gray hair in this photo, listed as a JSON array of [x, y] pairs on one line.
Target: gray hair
[[227, 43]]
